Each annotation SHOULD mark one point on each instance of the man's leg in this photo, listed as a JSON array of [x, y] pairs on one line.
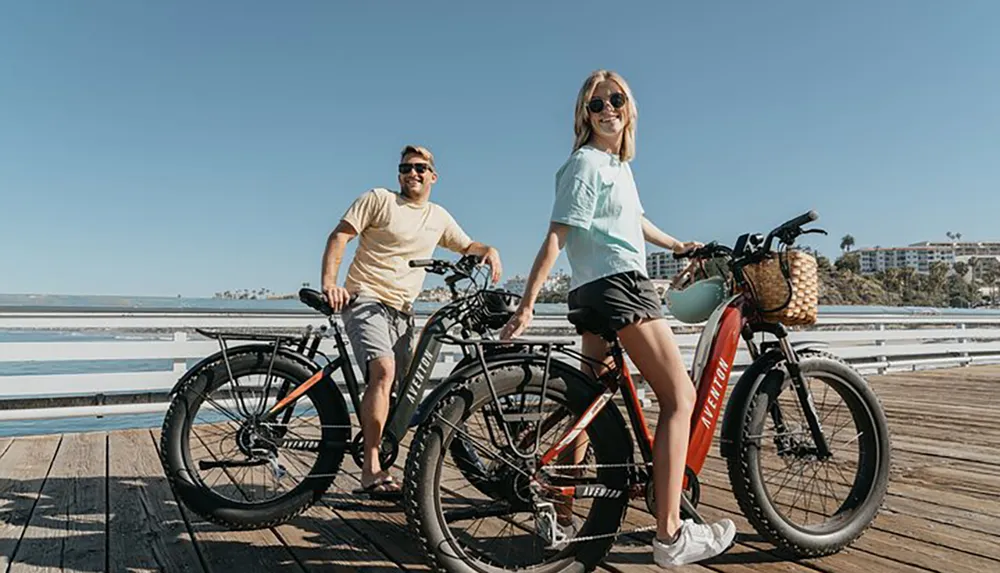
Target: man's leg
[[374, 411], [368, 328]]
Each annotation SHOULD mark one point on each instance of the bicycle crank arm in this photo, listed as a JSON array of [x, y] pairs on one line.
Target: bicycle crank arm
[[215, 464], [687, 508], [496, 509]]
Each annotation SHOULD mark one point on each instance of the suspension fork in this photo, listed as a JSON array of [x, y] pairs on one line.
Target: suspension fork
[[805, 399]]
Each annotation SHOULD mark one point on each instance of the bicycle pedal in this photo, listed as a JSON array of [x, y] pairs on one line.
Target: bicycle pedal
[[278, 470]]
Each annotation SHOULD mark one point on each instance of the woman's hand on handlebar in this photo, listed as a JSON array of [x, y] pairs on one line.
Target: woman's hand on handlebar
[[336, 296], [517, 323], [682, 248]]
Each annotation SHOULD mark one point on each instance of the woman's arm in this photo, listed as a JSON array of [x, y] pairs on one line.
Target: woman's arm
[[661, 239], [554, 241]]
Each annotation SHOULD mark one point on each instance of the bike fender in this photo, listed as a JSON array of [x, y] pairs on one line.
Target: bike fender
[[465, 369], [739, 398], [469, 369], [236, 351]]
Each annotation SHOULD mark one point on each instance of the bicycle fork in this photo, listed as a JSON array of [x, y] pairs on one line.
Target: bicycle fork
[[805, 401]]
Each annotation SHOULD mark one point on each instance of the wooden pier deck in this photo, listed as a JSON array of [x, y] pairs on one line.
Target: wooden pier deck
[[99, 502]]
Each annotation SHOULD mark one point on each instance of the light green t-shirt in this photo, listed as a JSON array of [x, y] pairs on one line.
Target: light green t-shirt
[[597, 197]]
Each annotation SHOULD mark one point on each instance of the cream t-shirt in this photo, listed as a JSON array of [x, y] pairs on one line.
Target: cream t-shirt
[[392, 231]]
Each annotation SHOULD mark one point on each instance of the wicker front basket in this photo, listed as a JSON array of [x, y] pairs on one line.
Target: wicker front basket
[[770, 287]]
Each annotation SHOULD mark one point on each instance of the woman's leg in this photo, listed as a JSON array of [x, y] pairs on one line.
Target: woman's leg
[[651, 346], [596, 348]]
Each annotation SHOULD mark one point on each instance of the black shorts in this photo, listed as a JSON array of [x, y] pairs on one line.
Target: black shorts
[[618, 300]]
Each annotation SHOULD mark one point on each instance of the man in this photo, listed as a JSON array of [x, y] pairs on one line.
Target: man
[[376, 300]]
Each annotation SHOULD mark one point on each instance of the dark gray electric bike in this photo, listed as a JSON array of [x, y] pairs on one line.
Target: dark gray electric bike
[[256, 433]]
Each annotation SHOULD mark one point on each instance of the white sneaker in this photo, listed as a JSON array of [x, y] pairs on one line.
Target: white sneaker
[[696, 542]]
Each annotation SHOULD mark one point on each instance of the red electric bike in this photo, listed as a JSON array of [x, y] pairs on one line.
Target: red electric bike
[[804, 437]]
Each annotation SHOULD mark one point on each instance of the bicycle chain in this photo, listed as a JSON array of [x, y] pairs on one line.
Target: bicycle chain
[[615, 534], [597, 466]]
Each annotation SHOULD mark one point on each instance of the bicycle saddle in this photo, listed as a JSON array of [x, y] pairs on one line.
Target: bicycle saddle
[[587, 320], [315, 300]]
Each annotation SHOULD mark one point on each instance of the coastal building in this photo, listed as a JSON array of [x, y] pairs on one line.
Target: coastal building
[[661, 265], [558, 282], [920, 256], [968, 250]]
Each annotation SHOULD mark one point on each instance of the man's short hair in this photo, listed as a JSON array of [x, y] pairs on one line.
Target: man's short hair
[[417, 150]]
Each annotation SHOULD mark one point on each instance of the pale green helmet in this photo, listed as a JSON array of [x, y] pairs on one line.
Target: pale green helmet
[[695, 303]]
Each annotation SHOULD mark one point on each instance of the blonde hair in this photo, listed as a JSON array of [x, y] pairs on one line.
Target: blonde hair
[[417, 150], [581, 120]]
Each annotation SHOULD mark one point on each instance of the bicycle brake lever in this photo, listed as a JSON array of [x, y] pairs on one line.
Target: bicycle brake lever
[[820, 231]]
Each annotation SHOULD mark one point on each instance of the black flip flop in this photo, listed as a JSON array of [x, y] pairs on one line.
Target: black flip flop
[[372, 491]]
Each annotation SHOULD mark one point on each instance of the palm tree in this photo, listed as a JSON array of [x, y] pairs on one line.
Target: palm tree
[[846, 243], [950, 235]]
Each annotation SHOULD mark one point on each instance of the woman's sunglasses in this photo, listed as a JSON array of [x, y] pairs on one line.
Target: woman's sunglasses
[[596, 105], [421, 168]]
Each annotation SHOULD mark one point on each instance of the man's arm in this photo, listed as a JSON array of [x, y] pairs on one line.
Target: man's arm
[[660, 239], [489, 255], [336, 244]]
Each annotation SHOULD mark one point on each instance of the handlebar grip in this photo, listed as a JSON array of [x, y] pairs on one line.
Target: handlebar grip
[[802, 219], [417, 263]]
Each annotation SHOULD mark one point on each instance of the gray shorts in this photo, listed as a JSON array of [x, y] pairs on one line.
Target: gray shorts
[[376, 330]]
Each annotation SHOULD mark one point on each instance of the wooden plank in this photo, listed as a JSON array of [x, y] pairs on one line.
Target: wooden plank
[[960, 518], [67, 528], [318, 539], [146, 532], [878, 540], [23, 470], [323, 540], [848, 559], [973, 505], [944, 448], [926, 531], [382, 524]]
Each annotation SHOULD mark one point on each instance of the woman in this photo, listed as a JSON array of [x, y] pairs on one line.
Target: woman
[[597, 216]]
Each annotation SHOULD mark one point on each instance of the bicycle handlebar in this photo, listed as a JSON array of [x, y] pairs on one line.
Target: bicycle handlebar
[[785, 232]]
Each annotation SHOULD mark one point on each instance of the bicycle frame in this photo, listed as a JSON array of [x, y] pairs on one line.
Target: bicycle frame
[[711, 372], [411, 388], [714, 357]]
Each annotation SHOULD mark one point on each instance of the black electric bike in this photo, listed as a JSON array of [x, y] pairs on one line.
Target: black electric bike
[[256, 433]]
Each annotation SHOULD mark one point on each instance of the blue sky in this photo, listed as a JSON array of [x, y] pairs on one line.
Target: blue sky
[[192, 147]]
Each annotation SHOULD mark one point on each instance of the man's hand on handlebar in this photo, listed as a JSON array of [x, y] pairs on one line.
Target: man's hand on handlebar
[[492, 258], [336, 296]]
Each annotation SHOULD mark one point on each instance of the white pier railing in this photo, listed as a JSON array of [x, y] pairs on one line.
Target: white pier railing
[[874, 342]]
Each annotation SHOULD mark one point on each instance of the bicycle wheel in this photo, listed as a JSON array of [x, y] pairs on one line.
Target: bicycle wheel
[[236, 467], [804, 505], [464, 530]]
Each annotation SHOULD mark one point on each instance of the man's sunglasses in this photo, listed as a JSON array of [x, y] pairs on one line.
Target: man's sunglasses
[[596, 105], [421, 168]]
